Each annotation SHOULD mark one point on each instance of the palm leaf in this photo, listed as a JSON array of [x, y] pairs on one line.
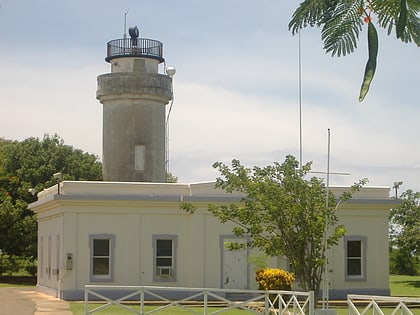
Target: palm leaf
[[403, 15], [311, 13], [341, 31], [402, 18]]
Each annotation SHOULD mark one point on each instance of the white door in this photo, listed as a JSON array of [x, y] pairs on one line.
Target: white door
[[234, 263]]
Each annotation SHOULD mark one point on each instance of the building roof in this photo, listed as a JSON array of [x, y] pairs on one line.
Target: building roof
[[175, 192]]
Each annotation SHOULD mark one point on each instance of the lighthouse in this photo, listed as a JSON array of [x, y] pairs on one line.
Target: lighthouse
[[134, 96]]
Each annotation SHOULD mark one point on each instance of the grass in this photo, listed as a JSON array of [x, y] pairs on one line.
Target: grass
[[17, 281], [386, 310], [15, 285], [405, 286], [78, 309], [408, 286], [399, 285]]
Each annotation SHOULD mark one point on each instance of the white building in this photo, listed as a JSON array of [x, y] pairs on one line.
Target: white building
[[119, 233]]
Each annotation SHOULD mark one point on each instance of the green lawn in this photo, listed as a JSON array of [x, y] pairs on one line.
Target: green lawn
[[399, 285], [12, 285], [78, 309], [408, 286], [387, 311], [405, 285]]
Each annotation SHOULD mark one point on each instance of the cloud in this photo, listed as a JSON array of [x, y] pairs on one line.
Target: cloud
[[51, 98]]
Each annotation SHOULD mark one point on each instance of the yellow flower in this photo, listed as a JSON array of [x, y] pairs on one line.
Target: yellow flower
[[274, 279]]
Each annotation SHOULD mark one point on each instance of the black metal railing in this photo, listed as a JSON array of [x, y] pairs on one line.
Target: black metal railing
[[134, 47]]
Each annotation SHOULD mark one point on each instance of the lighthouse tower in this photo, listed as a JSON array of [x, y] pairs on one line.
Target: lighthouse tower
[[134, 96]]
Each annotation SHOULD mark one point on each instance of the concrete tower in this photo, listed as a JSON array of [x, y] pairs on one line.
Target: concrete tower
[[134, 96]]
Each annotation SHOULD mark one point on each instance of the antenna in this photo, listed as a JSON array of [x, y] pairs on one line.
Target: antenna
[[125, 23], [325, 284], [300, 100]]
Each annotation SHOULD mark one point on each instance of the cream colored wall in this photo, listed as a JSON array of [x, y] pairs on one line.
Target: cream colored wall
[[198, 251], [50, 235], [115, 208], [370, 221]]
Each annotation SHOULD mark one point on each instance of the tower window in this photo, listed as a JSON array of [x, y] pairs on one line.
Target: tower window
[[139, 157]]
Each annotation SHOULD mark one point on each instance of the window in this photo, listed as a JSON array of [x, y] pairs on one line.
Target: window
[[355, 251], [139, 157], [102, 256], [164, 248]]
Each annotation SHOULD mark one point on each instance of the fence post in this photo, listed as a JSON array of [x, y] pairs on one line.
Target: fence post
[[311, 303], [142, 300], [86, 301], [205, 302], [267, 304]]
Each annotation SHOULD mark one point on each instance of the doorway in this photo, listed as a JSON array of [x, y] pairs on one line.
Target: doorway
[[234, 262]]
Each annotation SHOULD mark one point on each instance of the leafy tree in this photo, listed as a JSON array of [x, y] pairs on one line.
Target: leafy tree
[[18, 229], [343, 20], [283, 214], [31, 164], [171, 178], [405, 232], [34, 162], [3, 144]]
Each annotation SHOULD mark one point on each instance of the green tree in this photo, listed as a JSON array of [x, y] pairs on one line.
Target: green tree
[[342, 21], [31, 164], [34, 162], [405, 233], [18, 228], [3, 143], [171, 178], [283, 214]]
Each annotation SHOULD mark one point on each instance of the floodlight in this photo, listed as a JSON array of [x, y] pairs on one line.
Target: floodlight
[[170, 71]]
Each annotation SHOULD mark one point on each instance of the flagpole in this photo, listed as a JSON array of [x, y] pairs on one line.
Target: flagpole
[[325, 287]]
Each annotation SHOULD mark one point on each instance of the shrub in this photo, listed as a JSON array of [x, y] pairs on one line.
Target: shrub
[[274, 279], [8, 264], [401, 263], [30, 265]]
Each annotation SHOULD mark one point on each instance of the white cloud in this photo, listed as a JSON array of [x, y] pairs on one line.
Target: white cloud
[[51, 99]]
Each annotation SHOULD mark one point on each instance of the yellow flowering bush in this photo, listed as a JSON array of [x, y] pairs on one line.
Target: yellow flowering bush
[[274, 279]]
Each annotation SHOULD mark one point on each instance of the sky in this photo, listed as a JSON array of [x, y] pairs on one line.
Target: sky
[[236, 87]]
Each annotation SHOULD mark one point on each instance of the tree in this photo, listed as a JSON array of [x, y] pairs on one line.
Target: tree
[[405, 232], [18, 229], [34, 162], [171, 178], [31, 164], [283, 214], [342, 21]]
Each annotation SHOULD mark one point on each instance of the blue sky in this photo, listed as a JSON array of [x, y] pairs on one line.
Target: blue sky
[[236, 86]]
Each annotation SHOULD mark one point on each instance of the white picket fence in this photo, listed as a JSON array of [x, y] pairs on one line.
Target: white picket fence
[[253, 301], [371, 304]]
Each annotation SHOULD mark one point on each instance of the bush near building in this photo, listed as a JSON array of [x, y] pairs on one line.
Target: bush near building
[[274, 279]]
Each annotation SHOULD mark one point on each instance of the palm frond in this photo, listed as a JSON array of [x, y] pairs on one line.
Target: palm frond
[[341, 31], [388, 12], [311, 13]]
